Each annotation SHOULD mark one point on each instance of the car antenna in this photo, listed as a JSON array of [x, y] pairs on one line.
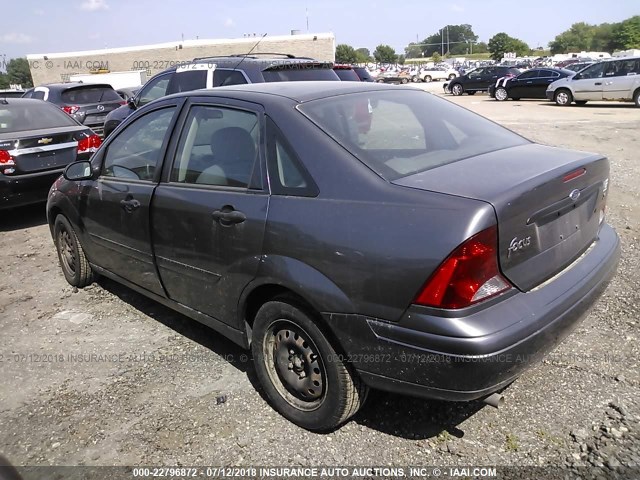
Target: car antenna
[[249, 52]]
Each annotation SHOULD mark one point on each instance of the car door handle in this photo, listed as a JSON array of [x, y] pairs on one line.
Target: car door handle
[[228, 217], [598, 83], [130, 205], [529, 82]]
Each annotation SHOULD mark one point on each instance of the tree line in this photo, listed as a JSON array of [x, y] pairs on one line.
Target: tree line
[[17, 73], [460, 40]]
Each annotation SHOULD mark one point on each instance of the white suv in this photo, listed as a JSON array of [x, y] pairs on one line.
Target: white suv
[[615, 79]]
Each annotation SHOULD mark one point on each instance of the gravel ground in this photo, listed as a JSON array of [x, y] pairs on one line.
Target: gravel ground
[[103, 376]]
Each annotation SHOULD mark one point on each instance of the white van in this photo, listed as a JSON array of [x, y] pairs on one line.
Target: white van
[[616, 79]]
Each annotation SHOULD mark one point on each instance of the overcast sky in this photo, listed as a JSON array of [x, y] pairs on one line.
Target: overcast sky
[[30, 26]]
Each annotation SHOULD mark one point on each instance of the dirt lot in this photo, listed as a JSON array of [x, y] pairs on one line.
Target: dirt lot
[[103, 376]]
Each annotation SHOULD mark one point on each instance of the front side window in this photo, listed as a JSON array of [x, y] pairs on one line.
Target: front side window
[[594, 71], [399, 133], [134, 154], [155, 88], [218, 146]]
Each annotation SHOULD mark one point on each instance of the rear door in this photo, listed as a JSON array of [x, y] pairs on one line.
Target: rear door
[[117, 206], [621, 78], [543, 81], [209, 214]]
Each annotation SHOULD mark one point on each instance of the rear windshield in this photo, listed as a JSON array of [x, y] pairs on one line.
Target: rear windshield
[[32, 116], [346, 74], [402, 132], [298, 72], [89, 94]]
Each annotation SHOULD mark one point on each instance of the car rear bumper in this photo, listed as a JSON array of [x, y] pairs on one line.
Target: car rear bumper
[[26, 189], [477, 351]]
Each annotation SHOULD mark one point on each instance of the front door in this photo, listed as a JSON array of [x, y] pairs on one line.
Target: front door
[[117, 205], [209, 215], [587, 85]]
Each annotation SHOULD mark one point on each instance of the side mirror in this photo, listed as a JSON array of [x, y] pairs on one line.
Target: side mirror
[[78, 171], [132, 103]]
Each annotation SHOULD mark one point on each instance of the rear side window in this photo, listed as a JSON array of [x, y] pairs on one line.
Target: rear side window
[[218, 146], [187, 81], [222, 78], [39, 95], [32, 116], [86, 95], [346, 74], [402, 132]]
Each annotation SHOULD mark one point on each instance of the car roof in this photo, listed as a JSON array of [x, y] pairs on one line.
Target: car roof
[[68, 85], [226, 61], [23, 101], [300, 92]]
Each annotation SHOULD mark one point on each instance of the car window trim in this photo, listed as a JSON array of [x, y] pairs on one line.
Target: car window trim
[[219, 102], [158, 77], [226, 69], [163, 150]]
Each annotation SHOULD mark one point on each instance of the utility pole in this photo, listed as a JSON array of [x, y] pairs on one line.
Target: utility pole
[[442, 41], [307, 13], [448, 40]]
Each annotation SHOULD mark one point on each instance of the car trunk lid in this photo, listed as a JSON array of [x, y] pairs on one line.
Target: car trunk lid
[[547, 201], [41, 150]]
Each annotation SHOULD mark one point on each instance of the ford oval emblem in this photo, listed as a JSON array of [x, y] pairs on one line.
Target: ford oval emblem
[[574, 195]]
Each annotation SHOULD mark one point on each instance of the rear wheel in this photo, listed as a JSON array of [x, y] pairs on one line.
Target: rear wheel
[[563, 98], [457, 89], [404, 80], [501, 94], [427, 78], [636, 98], [301, 373], [452, 76], [415, 79], [380, 81], [73, 261]]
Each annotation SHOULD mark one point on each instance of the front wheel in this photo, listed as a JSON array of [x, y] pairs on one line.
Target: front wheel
[[501, 94], [452, 76], [404, 81], [636, 98], [457, 89], [304, 378], [73, 261], [428, 78], [415, 79], [563, 98]]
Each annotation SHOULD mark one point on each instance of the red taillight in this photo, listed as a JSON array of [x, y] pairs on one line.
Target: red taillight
[[575, 174], [5, 158], [71, 109], [123, 102], [89, 144], [470, 274]]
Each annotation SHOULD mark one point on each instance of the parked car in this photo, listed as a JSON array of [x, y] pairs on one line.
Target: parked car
[[530, 84], [615, 79], [345, 258], [128, 93], [394, 77], [219, 71], [431, 74], [11, 93], [87, 103], [37, 140], [479, 79], [346, 73], [576, 67]]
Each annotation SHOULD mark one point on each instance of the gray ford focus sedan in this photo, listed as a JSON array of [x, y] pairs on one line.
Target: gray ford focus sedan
[[352, 235]]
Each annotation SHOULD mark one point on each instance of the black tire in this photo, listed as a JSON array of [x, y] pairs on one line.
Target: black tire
[[516, 99], [415, 79], [380, 81], [427, 78], [580, 103], [457, 89], [501, 94], [563, 97], [73, 261], [404, 80], [327, 393], [452, 76], [636, 98]]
